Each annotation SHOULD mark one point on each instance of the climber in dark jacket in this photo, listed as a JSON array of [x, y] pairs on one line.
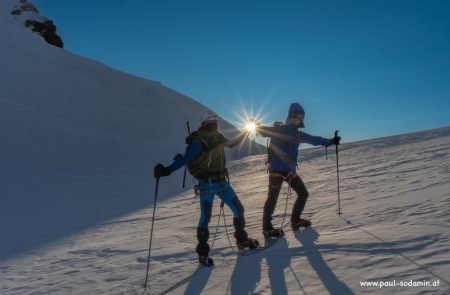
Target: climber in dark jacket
[[285, 140], [205, 158]]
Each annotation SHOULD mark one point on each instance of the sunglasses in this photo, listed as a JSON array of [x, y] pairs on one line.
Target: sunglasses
[[297, 115], [210, 125]]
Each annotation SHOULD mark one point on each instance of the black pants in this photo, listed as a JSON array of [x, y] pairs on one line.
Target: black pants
[[275, 183]]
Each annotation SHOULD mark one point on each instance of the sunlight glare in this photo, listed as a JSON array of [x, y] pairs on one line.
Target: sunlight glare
[[251, 127]]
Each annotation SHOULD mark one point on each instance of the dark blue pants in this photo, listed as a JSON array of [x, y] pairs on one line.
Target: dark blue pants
[[208, 191]]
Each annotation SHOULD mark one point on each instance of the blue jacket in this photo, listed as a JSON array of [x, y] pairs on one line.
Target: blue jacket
[[192, 151], [284, 143]]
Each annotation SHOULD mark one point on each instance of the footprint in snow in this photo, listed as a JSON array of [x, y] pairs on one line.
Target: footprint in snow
[[116, 278]]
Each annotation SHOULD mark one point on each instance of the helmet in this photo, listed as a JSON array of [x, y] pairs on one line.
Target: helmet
[[209, 118], [297, 111]]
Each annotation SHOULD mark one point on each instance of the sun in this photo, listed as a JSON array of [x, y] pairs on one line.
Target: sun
[[250, 127], [249, 122]]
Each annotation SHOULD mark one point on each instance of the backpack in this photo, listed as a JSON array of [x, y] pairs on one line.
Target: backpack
[[203, 166], [270, 151]]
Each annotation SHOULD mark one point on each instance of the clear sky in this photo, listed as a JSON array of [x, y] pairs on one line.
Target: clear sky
[[367, 68]]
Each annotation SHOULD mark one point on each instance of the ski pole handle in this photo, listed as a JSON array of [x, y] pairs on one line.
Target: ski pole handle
[[336, 135]]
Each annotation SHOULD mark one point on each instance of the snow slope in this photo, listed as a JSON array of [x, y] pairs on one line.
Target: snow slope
[[394, 226], [78, 139]]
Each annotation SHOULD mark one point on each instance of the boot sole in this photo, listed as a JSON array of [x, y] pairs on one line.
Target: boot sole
[[208, 263], [273, 237]]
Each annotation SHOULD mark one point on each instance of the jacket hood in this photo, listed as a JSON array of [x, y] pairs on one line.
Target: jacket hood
[[296, 108]]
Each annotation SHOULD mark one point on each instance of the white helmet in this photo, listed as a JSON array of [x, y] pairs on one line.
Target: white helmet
[[209, 118]]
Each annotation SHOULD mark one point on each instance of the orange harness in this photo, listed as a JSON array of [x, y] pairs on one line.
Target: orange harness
[[290, 174]]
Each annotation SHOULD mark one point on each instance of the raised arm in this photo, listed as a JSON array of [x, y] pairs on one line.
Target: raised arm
[[265, 131], [273, 132], [235, 140], [315, 140]]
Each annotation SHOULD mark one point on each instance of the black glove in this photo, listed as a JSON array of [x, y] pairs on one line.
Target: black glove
[[335, 140], [160, 170]]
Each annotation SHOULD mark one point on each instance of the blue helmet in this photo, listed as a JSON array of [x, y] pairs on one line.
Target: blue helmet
[[297, 111]]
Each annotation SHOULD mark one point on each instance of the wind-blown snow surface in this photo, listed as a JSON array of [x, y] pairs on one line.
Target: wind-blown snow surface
[[78, 139], [394, 226]]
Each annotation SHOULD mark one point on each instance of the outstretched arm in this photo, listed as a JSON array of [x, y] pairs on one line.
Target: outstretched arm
[[273, 132], [265, 131], [315, 140], [235, 140]]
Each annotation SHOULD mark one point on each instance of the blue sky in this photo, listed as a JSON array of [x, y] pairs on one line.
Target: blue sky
[[367, 68]]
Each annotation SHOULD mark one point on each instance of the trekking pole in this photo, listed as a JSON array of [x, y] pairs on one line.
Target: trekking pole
[[267, 152], [337, 171], [287, 199], [217, 226], [185, 167], [226, 227], [151, 234]]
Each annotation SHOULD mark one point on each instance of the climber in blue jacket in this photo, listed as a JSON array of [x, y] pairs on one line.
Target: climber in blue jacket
[[285, 140]]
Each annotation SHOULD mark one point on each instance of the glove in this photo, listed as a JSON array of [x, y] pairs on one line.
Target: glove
[[178, 157], [160, 170], [335, 140]]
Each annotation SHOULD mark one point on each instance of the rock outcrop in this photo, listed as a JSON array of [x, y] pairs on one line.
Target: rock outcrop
[[41, 25]]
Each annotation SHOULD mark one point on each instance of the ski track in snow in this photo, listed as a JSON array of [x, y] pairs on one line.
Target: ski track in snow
[[395, 204]]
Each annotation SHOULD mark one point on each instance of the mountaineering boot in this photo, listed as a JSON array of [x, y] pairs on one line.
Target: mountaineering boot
[[273, 233], [301, 223], [248, 243], [205, 261]]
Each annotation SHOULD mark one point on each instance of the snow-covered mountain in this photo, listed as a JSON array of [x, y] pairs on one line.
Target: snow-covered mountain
[[393, 229], [78, 139]]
